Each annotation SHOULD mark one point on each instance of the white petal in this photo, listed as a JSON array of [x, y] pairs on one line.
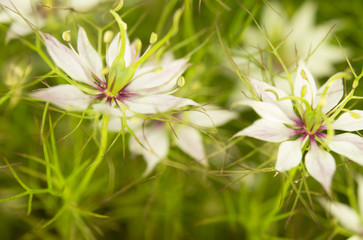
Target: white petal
[[334, 92], [268, 131], [22, 6], [4, 16], [269, 111], [157, 81], [303, 20], [305, 80], [114, 50], [349, 121], [157, 103], [346, 216], [289, 155], [83, 5], [88, 54], [349, 145], [17, 29], [65, 96], [105, 108], [355, 237], [156, 141], [321, 166], [114, 125], [213, 116], [190, 141], [267, 94], [67, 60]]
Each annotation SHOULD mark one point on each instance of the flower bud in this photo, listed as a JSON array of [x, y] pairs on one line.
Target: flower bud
[[66, 35], [181, 81], [153, 38], [16, 72], [138, 45], [108, 36]]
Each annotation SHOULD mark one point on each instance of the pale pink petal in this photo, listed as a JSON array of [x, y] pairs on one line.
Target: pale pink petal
[[106, 109], [114, 50], [114, 125], [269, 111], [267, 131], [349, 121], [158, 80], [156, 141], [268, 93], [83, 5], [23, 6], [190, 141], [4, 16], [355, 237], [65, 96], [289, 155], [213, 116], [349, 145], [17, 29], [333, 93], [346, 216], [157, 103], [88, 54], [304, 80], [67, 60], [22, 16], [321, 166]]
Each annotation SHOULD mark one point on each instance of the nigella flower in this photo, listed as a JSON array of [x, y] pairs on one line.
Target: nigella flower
[[304, 121], [126, 85], [155, 135], [348, 218], [295, 37], [298, 36]]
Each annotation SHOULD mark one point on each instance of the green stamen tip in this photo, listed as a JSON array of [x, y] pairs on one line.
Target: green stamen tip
[[303, 91], [66, 35], [303, 75]]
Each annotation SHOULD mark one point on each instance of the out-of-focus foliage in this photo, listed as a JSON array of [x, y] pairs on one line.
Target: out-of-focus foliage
[[46, 153]]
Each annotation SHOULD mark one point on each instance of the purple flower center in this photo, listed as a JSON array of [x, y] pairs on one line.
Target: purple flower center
[[122, 95], [314, 131]]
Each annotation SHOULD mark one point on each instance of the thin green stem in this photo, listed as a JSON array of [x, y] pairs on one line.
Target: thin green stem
[[45, 149], [99, 157]]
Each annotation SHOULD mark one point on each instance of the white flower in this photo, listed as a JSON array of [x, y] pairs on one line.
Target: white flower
[[21, 14], [296, 37], [307, 127], [155, 136], [348, 218], [141, 89]]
